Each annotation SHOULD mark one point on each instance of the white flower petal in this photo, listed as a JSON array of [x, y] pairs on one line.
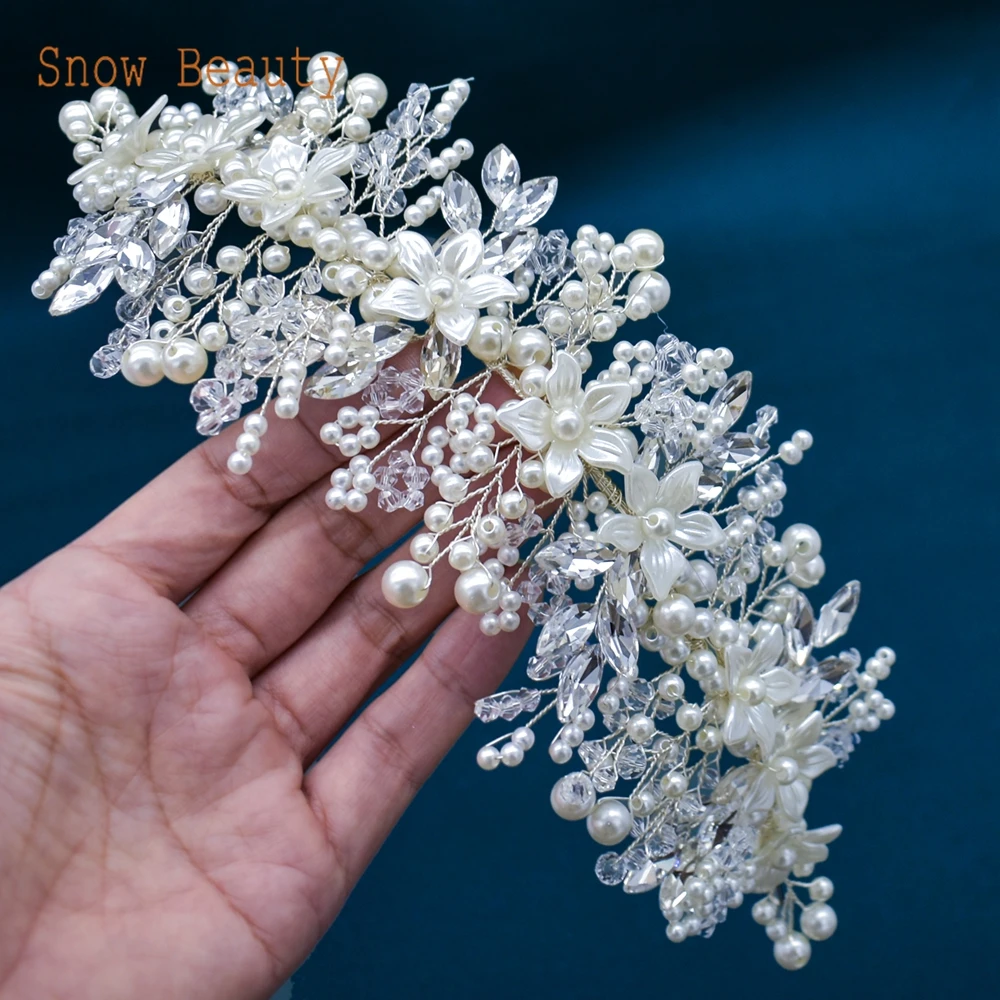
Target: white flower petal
[[457, 324], [461, 255], [640, 489], [403, 299], [273, 213], [793, 799], [806, 733], [623, 531], [781, 685], [283, 154], [332, 160], [527, 420], [605, 402], [697, 530], [768, 649], [661, 564], [482, 289], [563, 468], [608, 449], [736, 727], [415, 256], [763, 726], [563, 383], [251, 190], [737, 660], [679, 489], [324, 188], [814, 760]]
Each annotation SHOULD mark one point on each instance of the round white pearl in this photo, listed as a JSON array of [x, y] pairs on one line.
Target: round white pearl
[[573, 796], [560, 751], [184, 361], [610, 822], [689, 717], [792, 951], [523, 737], [405, 583], [423, 547], [488, 758], [764, 911], [476, 591], [818, 921], [641, 728], [463, 554], [511, 754], [653, 287], [142, 362], [646, 247], [239, 463], [821, 889], [529, 347]]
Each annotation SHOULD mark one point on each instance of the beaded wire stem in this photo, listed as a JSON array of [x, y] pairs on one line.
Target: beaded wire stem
[[624, 512]]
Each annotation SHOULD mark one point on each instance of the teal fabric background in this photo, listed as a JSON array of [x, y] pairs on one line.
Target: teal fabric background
[[825, 179]]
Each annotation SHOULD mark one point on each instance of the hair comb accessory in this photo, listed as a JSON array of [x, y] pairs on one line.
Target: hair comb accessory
[[680, 671]]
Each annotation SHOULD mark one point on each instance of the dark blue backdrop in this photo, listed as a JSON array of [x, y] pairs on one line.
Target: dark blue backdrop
[[825, 181]]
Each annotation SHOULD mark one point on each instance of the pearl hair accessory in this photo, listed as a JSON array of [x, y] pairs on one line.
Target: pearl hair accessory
[[622, 511]]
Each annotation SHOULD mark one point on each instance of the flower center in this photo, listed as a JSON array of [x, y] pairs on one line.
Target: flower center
[[286, 181], [750, 690], [786, 769], [567, 425], [442, 291], [659, 523]]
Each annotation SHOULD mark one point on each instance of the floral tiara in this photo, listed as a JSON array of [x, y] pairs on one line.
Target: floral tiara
[[622, 510]]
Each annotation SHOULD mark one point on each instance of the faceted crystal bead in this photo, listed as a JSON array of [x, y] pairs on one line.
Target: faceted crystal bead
[[107, 361], [440, 361]]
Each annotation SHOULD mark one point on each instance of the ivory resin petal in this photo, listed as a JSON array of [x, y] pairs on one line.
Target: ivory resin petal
[[563, 469], [605, 402], [415, 256], [528, 421], [461, 255], [661, 564], [482, 289], [697, 530], [679, 489], [608, 449], [563, 383], [623, 531], [404, 299]]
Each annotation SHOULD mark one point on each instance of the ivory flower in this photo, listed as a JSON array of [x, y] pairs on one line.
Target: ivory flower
[[288, 180], [572, 425], [446, 287], [753, 685], [203, 146], [121, 148], [658, 520]]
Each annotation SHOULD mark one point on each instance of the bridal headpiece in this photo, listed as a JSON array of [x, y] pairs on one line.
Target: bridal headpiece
[[681, 671]]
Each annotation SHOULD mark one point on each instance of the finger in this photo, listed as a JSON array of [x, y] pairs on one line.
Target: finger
[[360, 788], [192, 517], [314, 689], [286, 575]]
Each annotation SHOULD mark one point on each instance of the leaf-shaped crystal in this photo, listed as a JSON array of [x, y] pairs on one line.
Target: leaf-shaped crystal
[[567, 630], [84, 286], [136, 267], [156, 190], [835, 616], [168, 225], [731, 400], [506, 252], [440, 361], [460, 205], [388, 339], [501, 173], [331, 382], [618, 638], [526, 204], [579, 684]]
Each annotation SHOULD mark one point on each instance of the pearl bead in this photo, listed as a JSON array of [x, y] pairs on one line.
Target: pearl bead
[[523, 737], [511, 754], [818, 921], [531, 474], [820, 889], [533, 380], [670, 687], [646, 247], [423, 547], [438, 517], [239, 463], [689, 717], [560, 752], [529, 346], [573, 796], [184, 361], [477, 591], [405, 583], [142, 362], [792, 951], [801, 541], [610, 822], [674, 785], [675, 616], [641, 728], [653, 287], [490, 338], [488, 758], [213, 336]]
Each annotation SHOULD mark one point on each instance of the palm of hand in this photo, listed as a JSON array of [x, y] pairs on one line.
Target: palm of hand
[[159, 834]]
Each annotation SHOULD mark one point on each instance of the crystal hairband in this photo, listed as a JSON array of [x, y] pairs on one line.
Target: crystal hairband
[[678, 651]]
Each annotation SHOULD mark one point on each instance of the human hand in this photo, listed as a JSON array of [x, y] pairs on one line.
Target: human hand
[[159, 837]]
